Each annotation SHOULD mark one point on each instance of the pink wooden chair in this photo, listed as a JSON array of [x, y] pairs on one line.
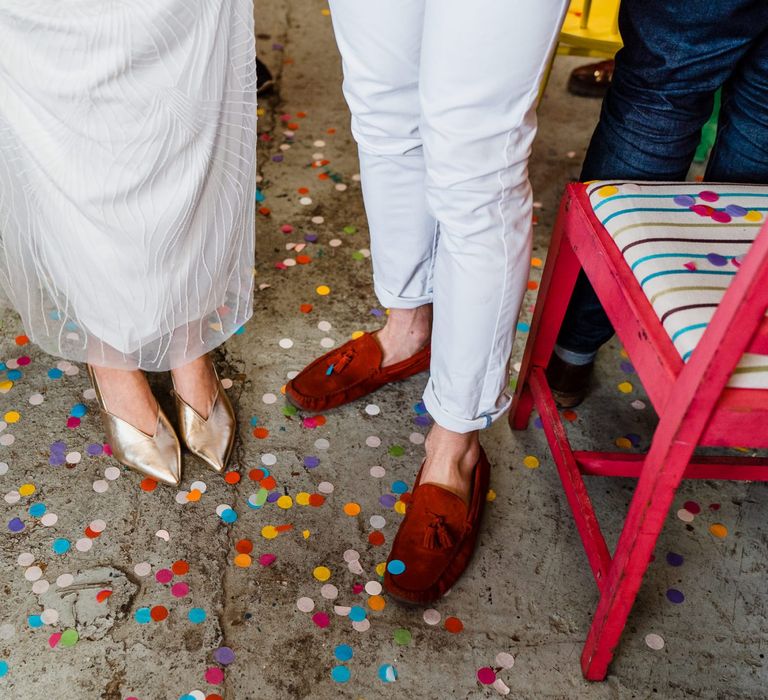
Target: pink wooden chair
[[682, 271]]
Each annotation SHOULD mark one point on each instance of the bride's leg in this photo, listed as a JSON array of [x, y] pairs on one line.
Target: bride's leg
[[196, 383], [127, 395]]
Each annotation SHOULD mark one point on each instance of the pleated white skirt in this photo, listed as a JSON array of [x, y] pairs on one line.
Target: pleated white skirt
[[127, 175]]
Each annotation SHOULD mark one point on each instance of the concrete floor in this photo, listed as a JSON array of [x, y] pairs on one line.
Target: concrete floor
[[528, 592]]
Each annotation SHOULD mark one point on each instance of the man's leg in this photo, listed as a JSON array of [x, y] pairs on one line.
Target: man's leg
[[662, 93]]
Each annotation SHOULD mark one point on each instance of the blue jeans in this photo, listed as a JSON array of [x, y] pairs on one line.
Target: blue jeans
[[676, 55]]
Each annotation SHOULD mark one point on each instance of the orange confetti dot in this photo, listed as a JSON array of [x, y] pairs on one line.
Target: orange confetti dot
[[194, 495], [536, 262], [101, 596], [148, 484], [454, 625], [180, 567], [352, 509], [269, 483], [91, 533], [303, 259], [22, 340], [331, 131], [376, 538], [376, 602], [533, 284], [570, 416], [306, 308], [260, 433], [158, 613], [232, 477], [303, 190], [323, 176], [243, 561], [244, 546], [265, 211], [284, 528], [301, 115], [293, 126], [718, 530]]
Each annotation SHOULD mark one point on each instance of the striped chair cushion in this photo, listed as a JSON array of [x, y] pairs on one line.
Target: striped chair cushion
[[684, 243]]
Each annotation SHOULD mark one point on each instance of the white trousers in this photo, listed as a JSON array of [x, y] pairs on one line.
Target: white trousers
[[443, 96]]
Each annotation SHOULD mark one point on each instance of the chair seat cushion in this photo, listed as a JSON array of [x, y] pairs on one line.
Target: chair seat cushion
[[685, 242]]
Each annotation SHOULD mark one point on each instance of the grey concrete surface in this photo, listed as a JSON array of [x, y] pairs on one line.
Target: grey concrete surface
[[528, 592]]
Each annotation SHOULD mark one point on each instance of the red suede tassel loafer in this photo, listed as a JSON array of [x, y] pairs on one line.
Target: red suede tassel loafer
[[348, 373], [436, 539]]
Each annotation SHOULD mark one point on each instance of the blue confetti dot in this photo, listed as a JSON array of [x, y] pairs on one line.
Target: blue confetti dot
[[37, 510], [196, 615], [79, 410], [674, 559], [387, 673], [675, 596], [35, 621], [187, 696], [340, 674], [228, 515], [142, 616], [523, 327], [240, 330], [3, 668], [395, 567], [399, 487], [357, 614], [343, 652], [61, 546], [55, 373], [15, 374]]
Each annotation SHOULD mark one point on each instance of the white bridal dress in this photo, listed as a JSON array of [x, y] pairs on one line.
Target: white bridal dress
[[127, 175]]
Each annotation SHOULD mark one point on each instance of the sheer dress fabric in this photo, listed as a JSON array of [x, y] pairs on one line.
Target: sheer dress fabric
[[127, 175]]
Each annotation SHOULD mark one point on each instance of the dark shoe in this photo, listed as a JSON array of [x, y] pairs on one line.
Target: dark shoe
[[349, 373], [437, 538], [264, 81], [591, 80], [569, 383]]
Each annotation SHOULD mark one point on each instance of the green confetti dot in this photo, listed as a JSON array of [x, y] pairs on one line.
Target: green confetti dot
[[350, 229], [290, 410], [69, 638], [357, 255], [396, 451], [403, 637]]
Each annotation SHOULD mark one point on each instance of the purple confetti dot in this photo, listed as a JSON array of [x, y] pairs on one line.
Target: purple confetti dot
[[273, 496], [15, 525], [423, 421], [684, 200], [675, 596], [674, 559], [311, 238], [224, 656], [311, 462], [387, 500], [58, 446], [277, 158], [94, 449], [717, 260], [56, 460], [634, 438], [736, 210], [537, 423], [627, 367], [377, 312]]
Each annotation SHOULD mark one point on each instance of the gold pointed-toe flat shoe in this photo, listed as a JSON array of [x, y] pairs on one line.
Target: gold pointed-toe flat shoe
[[157, 456], [210, 438]]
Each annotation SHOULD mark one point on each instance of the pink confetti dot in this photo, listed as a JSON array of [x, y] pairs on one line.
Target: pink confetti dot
[[358, 588], [53, 640], [709, 196], [692, 507], [73, 422], [214, 675], [164, 576], [486, 676], [179, 590], [721, 217], [267, 559], [321, 619]]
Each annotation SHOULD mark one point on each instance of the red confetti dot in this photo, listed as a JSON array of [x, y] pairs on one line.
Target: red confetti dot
[[305, 308], [22, 340], [232, 477], [256, 475], [316, 500], [244, 546], [180, 567], [268, 483], [158, 613], [101, 596], [148, 484], [214, 675], [486, 676], [454, 625], [260, 433], [376, 538]]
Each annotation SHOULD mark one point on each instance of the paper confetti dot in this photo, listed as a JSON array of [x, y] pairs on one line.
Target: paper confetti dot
[[531, 462], [340, 674], [486, 675], [718, 530], [654, 641], [387, 673], [454, 625], [322, 573]]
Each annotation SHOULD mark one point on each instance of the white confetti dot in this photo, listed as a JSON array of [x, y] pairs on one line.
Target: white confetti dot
[[182, 497], [685, 515], [36, 399], [638, 405], [373, 441], [12, 364], [49, 616], [143, 568], [305, 201], [322, 444], [40, 587], [33, 573], [654, 641], [305, 604], [200, 486], [373, 588], [289, 262], [355, 567], [73, 457], [319, 144], [505, 660], [325, 487], [285, 343], [12, 497], [372, 409], [341, 187], [269, 398], [3, 468], [26, 559], [268, 459], [501, 687], [416, 438], [327, 343], [362, 625], [7, 440], [356, 177], [49, 519], [329, 591], [318, 219], [517, 367], [335, 242], [365, 252], [65, 580], [341, 610], [89, 394], [377, 522], [227, 383], [324, 326], [163, 535], [100, 486], [351, 555], [84, 544], [98, 525], [431, 616], [378, 472], [196, 694], [112, 473]]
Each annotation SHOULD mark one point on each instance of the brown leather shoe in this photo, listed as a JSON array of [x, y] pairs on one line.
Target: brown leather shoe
[[436, 539], [569, 383], [591, 80], [348, 373]]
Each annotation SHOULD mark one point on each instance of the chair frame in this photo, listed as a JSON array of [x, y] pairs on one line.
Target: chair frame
[[694, 405]]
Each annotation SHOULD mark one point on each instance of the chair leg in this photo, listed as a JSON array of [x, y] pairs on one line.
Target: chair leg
[[662, 472], [557, 283]]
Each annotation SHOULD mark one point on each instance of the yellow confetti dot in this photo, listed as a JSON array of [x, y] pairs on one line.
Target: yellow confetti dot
[[531, 462], [322, 573], [269, 532], [607, 191], [753, 216], [323, 290], [625, 388], [357, 334], [381, 568], [302, 498], [376, 602], [12, 417], [536, 262], [305, 534], [623, 443], [400, 507], [719, 530], [194, 495], [325, 12], [6, 386], [491, 495], [352, 509], [284, 502], [624, 354], [260, 112], [243, 561], [26, 489]]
